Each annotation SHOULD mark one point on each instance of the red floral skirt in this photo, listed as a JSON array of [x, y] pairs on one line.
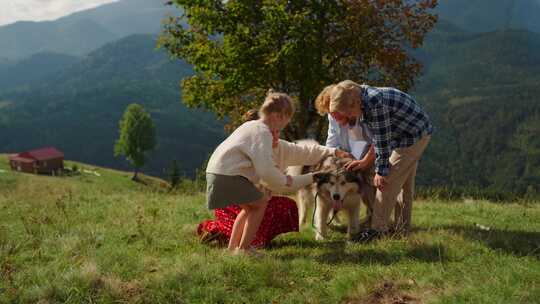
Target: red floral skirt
[[280, 216]]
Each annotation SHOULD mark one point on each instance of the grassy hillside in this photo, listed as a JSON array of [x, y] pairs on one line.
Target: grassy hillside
[[104, 239]]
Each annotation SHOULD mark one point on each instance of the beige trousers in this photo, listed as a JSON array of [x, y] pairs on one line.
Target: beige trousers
[[399, 191]]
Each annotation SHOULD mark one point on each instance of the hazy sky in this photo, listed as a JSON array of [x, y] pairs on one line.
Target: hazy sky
[[39, 10]]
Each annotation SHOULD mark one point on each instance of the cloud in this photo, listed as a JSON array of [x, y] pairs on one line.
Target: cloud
[[39, 10]]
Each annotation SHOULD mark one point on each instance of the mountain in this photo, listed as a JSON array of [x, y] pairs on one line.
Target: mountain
[[118, 16], [33, 69], [23, 39], [486, 106], [78, 109], [489, 15], [81, 32]]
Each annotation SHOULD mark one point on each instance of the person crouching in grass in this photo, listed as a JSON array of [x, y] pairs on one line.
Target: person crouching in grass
[[242, 169]]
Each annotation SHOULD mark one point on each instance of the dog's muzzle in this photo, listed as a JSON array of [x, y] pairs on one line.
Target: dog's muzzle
[[337, 202]]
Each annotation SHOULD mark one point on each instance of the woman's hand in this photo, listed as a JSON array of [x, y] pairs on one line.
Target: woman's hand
[[355, 165], [380, 182], [343, 154]]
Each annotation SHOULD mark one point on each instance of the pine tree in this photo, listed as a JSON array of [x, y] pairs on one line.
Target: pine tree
[[174, 174]]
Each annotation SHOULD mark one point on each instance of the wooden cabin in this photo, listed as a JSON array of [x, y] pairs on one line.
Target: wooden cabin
[[41, 161]]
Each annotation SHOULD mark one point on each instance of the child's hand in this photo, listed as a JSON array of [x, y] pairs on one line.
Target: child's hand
[[343, 154]]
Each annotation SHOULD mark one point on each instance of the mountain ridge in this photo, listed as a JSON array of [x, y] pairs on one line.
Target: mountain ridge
[[79, 33]]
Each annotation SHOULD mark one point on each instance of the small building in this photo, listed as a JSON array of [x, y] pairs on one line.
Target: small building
[[43, 161]]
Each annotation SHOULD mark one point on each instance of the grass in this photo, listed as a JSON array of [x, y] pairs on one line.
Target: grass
[[90, 239]]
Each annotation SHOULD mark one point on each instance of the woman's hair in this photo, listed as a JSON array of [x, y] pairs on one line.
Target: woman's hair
[[252, 114], [322, 102], [343, 95], [276, 102]]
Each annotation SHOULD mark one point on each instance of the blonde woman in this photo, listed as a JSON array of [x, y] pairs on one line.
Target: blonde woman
[[401, 132], [246, 160], [351, 135]]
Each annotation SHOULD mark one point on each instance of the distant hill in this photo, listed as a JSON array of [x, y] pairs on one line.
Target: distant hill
[[33, 69], [491, 15], [482, 91], [78, 109], [82, 32]]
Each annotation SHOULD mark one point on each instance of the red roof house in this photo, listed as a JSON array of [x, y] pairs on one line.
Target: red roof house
[[46, 160]]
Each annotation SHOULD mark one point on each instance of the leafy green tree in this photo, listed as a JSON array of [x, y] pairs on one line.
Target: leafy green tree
[[137, 136], [240, 49]]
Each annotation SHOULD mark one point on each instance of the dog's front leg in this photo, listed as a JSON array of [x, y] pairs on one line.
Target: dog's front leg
[[321, 229]]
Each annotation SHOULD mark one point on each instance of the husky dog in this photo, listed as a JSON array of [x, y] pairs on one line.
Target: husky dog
[[334, 190]]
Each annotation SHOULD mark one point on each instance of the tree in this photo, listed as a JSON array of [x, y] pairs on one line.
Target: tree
[[174, 174], [240, 49], [137, 136]]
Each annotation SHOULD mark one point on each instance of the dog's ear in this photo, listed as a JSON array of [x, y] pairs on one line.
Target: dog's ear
[[321, 177]]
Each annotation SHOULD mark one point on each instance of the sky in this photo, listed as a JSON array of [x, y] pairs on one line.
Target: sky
[[40, 10]]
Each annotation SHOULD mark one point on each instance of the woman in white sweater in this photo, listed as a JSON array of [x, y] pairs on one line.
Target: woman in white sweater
[[250, 161]]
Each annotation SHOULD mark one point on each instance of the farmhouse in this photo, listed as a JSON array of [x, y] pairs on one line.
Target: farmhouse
[[45, 161]]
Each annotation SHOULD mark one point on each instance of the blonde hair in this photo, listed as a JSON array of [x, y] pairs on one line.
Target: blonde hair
[[343, 95], [322, 102], [276, 102]]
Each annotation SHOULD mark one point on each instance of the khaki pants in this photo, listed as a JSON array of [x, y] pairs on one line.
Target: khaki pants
[[399, 190]]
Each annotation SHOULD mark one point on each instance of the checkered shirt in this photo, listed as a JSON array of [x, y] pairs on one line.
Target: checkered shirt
[[396, 121]]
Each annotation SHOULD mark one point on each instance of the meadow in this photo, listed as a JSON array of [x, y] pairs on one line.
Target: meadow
[[105, 239]]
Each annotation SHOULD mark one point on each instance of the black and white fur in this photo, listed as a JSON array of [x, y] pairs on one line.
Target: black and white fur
[[335, 188]]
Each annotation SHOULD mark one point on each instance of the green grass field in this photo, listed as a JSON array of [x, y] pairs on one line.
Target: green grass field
[[105, 239]]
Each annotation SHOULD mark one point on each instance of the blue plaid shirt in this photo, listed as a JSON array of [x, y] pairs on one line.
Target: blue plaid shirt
[[396, 121]]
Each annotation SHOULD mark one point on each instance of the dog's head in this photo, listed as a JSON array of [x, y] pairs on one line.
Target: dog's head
[[334, 182]]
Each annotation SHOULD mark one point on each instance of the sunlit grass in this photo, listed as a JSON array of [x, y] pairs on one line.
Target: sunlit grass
[[90, 239]]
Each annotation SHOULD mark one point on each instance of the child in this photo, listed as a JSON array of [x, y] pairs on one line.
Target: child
[[242, 168]]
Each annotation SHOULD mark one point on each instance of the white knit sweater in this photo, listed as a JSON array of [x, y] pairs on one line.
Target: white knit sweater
[[248, 152]]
